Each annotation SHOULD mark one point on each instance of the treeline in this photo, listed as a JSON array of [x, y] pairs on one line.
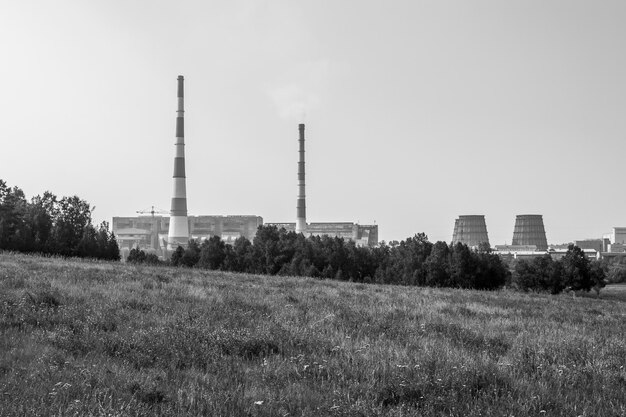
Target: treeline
[[49, 225], [414, 261], [574, 271]]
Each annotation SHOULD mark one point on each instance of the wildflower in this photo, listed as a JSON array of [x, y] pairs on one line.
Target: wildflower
[[258, 403]]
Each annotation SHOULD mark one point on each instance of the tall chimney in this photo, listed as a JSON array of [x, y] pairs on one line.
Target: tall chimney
[[178, 233], [301, 208]]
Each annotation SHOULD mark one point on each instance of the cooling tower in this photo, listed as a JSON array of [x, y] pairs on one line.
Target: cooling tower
[[529, 230], [470, 230], [178, 233], [301, 207]]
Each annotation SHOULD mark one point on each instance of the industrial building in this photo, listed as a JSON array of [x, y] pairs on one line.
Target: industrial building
[[615, 242], [599, 245], [152, 232], [529, 230], [470, 230], [362, 235]]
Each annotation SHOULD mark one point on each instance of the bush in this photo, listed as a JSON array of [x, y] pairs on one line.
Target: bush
[[616, 274], [136, 256]]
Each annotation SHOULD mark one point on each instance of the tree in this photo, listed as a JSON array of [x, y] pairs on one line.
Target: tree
[[212, 253], [240, 257], [191, 255], [539, 274], [266, 250], [177, 256], [48, 225], [484, 247], [462, 266], [113, 249], [88, 245], [107, 244], [406, 262], [72, 218], [41, 214], [597, 272], [576, 273], [437, 266], [491, 272], [13, 207], [616, 274], [136, 256]]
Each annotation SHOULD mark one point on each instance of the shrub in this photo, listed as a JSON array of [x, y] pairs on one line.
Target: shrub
[[616, 274], [136, 256]]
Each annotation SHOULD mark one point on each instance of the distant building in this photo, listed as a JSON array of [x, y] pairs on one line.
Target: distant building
[[595, 244], [618, 235], [614, 243], [529, 230], [516, 248], [151, 232], [510, 252], [362, 235], [229, 228], [591, 254], [617, 248], [470, 230]]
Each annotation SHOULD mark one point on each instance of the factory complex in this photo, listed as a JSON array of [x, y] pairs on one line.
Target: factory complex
[[162, 234], [529, 239], [152, 232]]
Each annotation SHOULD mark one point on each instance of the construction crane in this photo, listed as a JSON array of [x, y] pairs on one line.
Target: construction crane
[[152, 211], [154, 228]]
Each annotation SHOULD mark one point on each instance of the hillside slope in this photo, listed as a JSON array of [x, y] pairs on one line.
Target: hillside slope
[[88, 338]]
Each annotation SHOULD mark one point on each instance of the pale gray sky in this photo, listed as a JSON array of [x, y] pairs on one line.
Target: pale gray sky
[[416, 111]]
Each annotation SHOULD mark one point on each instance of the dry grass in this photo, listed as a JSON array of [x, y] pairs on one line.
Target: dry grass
[[85, 338]]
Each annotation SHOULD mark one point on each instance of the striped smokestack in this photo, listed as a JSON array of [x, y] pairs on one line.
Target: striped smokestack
[[178, 233], [301, 208]]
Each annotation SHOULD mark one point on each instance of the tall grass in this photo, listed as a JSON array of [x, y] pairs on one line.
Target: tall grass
[[95, 338]]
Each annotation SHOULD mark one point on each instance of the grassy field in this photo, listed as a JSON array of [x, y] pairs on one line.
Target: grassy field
[[85, 338]]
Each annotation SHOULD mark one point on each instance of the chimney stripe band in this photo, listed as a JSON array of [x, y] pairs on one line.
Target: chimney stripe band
[[179, 167], [179, 207], [181, 90], [180, 127]]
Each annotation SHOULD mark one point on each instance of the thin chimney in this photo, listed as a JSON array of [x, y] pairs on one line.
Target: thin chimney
[[178, 233], [301, 208]]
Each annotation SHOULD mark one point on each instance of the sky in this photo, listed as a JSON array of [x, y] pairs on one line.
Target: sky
[[416, 112]]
